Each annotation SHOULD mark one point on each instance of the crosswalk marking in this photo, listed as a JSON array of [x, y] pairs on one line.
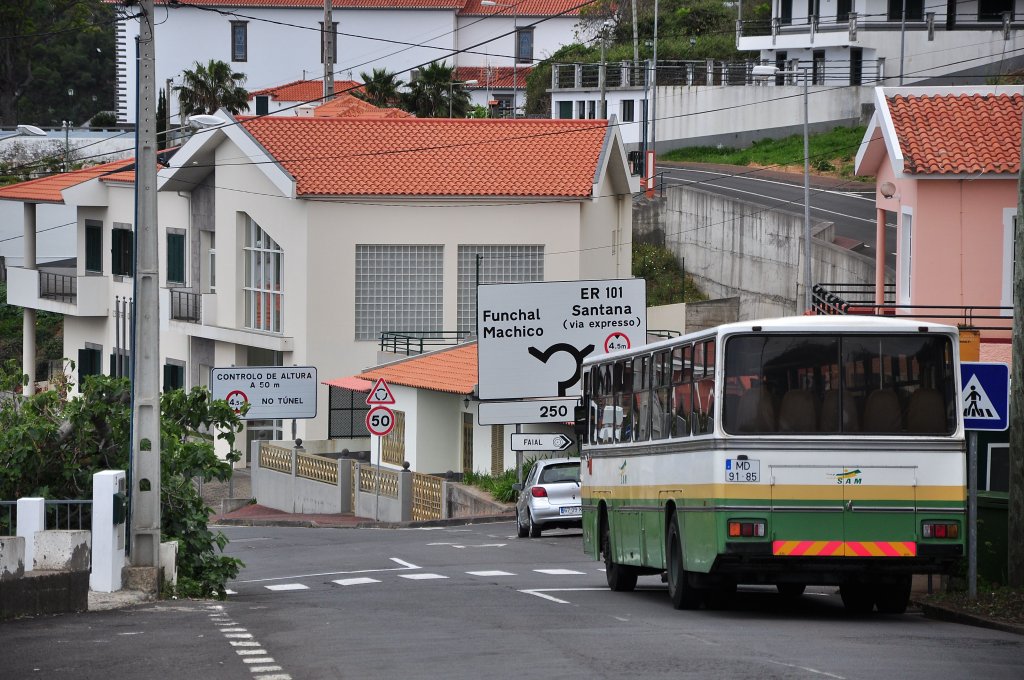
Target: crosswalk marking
[[421, 577], [356, 581], [490, 573], [287, 586], [559, 572]]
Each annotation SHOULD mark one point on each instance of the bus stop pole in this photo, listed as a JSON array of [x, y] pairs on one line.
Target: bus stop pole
[[972, 514]]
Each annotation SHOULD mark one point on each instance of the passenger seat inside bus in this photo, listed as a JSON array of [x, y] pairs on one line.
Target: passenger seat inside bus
[[926, 412], [882, 412], [755, 411], [798, 412], [830, 405]]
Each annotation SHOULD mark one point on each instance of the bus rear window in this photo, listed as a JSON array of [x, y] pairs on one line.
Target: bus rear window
[[868, 384]]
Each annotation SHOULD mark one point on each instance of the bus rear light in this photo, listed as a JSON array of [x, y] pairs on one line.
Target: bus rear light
[[746, 528], [538, 492], [940, 530]]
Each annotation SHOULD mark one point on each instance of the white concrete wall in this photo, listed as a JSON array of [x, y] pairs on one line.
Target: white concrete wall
[[55, 232]]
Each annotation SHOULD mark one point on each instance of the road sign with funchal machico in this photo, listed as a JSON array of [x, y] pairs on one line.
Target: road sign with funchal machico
[[985, 395], [533, 337]]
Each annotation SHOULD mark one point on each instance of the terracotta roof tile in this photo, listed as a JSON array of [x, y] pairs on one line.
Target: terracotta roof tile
[[348, 106], [494, 77], [526, 8], [47, 189], [303, 90], [452, 369], [958, 134], [434, 156]]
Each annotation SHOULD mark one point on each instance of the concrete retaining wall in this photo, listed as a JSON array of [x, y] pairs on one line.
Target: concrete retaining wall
[[12, 557], [44, 592], [466, 501], [62, 551]]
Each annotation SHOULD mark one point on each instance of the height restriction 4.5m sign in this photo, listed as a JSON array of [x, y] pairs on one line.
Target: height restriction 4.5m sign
[[533, 337]]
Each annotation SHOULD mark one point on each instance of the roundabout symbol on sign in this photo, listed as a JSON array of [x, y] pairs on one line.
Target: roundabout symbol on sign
[[616, 342], [380, 420]]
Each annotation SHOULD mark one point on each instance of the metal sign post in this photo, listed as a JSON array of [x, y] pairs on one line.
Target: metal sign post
[[380, 420], [985, 404]]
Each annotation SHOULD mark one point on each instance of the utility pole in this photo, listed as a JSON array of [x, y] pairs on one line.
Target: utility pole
[[328, 43], [145, 451], [1015, 508]]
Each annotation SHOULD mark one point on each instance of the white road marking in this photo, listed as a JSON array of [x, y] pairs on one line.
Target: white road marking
[[355, 581], [232, 630], [250, 540], [277, 676], [238, 636], [264, 669], [461, 546], [245, 652], [262, 659], [252, 654], [851, 194], [230, 592], [543, 593], [559, 572], [405, 567], [490, 573], [287, 586], [421, 577], [136, 632], [805, 668], [244, 643]]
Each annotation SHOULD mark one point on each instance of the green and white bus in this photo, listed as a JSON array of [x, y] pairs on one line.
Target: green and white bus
[[815, 450]]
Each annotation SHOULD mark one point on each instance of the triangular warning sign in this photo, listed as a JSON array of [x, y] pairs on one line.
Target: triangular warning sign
[[380, 394], [977, 405]]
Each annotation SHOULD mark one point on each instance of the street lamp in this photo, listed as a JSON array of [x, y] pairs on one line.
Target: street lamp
[[604, 68], [771, 71], [451, 91], [515, 46]]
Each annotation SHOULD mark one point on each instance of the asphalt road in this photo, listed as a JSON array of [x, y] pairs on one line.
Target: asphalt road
[[849, 204], [474, 602]]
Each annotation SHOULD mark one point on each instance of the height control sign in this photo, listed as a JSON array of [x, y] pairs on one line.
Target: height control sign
[[271, 391], [533, 337]]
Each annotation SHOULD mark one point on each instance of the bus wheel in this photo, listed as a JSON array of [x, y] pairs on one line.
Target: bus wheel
[[620, 577], [892, 598], [682, 594], [857, 598], [791, 591]]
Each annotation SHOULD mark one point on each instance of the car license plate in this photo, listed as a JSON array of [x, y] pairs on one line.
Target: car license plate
[[741, 470], [570, 510]]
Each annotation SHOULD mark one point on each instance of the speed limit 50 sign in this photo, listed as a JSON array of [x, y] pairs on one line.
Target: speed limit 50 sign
[[380, 420]]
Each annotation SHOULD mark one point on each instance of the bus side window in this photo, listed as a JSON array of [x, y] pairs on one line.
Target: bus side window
[[704, 388], [682, 372], [662, 416]]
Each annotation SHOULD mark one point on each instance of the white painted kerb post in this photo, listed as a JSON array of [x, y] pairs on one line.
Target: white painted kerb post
[[31, 518], [107, 537]]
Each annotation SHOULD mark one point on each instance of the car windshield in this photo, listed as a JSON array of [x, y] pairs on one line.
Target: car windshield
[[560, 472]]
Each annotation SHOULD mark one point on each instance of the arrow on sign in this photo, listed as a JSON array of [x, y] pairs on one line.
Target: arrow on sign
[[541, 441]]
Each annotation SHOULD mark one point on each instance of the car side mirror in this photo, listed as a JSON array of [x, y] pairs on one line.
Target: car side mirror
[[517, 487]]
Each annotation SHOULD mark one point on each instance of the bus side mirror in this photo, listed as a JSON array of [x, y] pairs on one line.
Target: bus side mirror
[[580, 424]]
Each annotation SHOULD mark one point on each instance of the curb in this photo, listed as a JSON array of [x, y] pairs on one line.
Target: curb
[[954, 616], [313, 524], [817, 181]]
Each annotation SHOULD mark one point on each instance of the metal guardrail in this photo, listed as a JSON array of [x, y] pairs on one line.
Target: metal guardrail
[[861, 301], [68, 514], [186, 306], [59, 287], [427, 496], [413, 342]]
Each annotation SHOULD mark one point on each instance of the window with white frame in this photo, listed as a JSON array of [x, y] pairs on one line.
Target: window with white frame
[[1009, 263], [398, 288], [626, 111], [262, 286], [495, 264], [239, 41]]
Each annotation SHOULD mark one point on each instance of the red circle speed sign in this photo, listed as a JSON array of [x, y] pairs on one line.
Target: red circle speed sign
[[380, 420]]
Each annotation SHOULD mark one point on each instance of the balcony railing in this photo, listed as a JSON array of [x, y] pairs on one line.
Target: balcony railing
[[59, 287], [869, 21], [830, 298], [412, 342], [186, 306]]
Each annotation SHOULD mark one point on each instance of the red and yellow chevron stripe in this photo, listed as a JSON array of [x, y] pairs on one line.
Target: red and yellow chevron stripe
[[844, 548]]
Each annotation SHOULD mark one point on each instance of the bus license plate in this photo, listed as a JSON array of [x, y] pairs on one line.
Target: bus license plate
[[570, 510], [742, 470]]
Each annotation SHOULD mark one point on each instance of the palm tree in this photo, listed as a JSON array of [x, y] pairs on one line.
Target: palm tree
[[210, 87], [380, 88], [429, 94]]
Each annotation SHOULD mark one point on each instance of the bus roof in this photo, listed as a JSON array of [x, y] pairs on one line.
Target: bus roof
[[849, 323]]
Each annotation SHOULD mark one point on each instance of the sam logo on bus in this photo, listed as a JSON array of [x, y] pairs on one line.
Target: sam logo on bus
[[623, 478], [848, 476]]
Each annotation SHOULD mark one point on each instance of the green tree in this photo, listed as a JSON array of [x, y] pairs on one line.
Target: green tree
[[49, 335], [209, 87], [380, 88], [49, 46], [432, 94], [51, 445]]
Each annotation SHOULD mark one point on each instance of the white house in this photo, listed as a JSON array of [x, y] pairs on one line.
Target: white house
[[279, 41], [299, 241]]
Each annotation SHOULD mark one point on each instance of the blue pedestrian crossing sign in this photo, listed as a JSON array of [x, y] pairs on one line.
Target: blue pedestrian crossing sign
[[985, 396]]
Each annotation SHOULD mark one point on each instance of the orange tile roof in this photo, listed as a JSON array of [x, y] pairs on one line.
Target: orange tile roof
[[494, 77], [348, 106], [48, 189], [452, 369], [526, 8], [958, 134], [303, 90], [434, 156]]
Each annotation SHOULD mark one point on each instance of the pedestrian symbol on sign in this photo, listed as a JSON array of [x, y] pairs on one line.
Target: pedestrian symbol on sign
[[976, 401]]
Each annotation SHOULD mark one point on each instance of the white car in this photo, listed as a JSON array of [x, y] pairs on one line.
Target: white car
[[550, 497]]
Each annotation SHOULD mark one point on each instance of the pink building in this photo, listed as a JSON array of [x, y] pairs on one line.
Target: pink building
[[945, 161]]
